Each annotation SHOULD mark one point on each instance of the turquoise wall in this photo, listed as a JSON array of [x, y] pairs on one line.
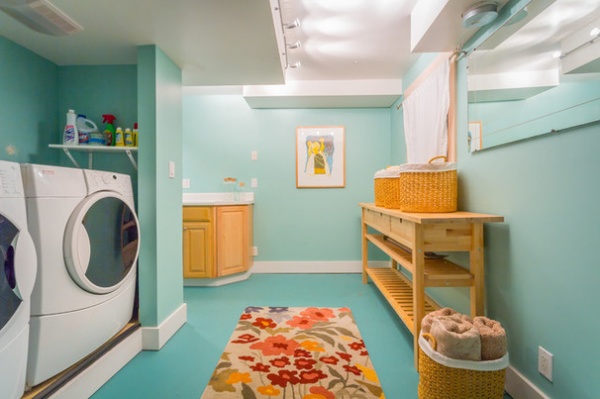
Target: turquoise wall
[[29, 93], [541, 271], [290, 224], [160, 211]]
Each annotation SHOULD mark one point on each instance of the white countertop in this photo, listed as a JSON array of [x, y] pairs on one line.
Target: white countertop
[[215, 199]]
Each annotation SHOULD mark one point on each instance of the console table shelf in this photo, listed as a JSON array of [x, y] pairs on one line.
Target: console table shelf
[[410, 239]]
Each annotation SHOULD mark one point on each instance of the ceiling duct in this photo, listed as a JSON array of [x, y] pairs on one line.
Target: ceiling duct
[[41, 16]]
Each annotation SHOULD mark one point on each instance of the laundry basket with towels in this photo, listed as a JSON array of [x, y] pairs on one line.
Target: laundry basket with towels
[[460, 357]]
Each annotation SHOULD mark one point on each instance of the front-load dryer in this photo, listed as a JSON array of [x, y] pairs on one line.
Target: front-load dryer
[[17, 276], [86, 233]]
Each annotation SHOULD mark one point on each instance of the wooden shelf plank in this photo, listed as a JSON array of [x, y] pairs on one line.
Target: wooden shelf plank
[[397, 290], [438, 272]]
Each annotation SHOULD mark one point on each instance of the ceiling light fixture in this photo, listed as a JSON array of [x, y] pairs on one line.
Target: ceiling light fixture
[[293, 25], [595, 32], [295, 45], [480, 14], [295, 65], [41, 16]]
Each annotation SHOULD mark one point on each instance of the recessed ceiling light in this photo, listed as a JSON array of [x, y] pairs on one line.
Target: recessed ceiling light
[[595, 32], [480, 14], [556, 54]]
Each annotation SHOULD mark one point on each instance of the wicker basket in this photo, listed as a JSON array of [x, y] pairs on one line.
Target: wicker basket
[[458, 379], [387, 188], [433, 190]]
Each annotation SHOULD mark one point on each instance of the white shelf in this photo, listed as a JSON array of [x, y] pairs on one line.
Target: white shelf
[[91, 149]]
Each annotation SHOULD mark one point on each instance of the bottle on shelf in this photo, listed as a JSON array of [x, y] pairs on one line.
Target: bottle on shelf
[[70, 133], [119, 139], [135, 134], [128, 138], [109, 129]]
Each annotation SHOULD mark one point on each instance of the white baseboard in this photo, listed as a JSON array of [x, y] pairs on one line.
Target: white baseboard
[[98, 373], [520, 387], [313, 267], [153, 338], [215, 282]]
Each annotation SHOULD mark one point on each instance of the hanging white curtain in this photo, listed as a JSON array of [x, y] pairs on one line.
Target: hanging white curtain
[[426, 117]]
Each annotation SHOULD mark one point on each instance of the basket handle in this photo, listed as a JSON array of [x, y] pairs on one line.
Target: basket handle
[[438, 157], [431, 340]]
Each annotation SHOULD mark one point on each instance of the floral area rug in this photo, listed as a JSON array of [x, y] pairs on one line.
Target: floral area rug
[[295, 353]]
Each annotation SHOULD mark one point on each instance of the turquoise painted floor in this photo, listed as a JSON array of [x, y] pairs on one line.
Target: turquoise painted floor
[[184, 365]]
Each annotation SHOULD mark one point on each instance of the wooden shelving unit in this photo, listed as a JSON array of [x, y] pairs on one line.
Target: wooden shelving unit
[[410, 239]]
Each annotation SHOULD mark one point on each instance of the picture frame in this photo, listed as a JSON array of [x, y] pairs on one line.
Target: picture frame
[[320, 157]]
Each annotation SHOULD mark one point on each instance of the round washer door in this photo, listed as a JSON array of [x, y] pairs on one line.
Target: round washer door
[[101, 242], [10, 297]]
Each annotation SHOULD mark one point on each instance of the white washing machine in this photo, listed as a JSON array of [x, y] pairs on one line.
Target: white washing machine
[[86, 233], [17, 276]]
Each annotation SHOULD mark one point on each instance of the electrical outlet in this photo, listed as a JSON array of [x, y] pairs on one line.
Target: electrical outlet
[[254, 251], [545, 363], [254, 155], [185, 183], [254, 182]]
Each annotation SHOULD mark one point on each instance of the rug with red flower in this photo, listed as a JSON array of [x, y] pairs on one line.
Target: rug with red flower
[[295, 353]]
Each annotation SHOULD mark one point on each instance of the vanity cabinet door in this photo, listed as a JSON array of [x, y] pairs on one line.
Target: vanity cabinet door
[[233, 239], [198, 250]]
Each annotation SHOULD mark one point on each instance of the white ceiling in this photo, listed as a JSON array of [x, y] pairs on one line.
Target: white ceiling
[[353, 52]]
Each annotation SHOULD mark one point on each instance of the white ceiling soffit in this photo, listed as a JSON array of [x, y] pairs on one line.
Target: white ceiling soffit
[[436, 25], [223, 42], [325, 94], [581, 50], [510, 86]]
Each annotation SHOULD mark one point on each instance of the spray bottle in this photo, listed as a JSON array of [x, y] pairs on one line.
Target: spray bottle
[[70, 134], [109, 129]]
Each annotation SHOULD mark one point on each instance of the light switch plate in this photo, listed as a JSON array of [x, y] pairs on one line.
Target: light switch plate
[[171, 169]]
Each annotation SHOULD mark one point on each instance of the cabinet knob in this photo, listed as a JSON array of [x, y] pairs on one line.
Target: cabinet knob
[[185, 228]]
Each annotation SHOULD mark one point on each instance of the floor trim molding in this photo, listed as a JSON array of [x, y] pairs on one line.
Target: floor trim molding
[[342, 266], [518, 386], [97, 374], [153, 338]]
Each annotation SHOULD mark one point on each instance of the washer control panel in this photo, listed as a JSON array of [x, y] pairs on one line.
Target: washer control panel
[[11, 184], [98, 180]]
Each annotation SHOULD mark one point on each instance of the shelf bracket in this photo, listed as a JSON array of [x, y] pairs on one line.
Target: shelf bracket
[[68, 154], [128, 152]]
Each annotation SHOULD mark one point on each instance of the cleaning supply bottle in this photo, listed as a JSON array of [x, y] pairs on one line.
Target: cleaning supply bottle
[[88, 131], [109, 129], [70, 134], [119, 139], [128, 138], [135, 134]]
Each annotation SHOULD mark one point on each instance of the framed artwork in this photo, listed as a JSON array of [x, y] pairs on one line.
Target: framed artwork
[[474, 136], [320, 157]]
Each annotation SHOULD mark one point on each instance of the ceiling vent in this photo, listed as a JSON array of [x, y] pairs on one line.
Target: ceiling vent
[[41, 16]]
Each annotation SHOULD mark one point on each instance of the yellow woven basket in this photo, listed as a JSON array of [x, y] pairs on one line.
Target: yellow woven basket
[[437, 381], [379, 191], [434, 191], [391, 192]]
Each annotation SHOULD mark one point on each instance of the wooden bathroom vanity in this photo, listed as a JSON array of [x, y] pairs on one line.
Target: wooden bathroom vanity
[[410, 239], [217, 240]]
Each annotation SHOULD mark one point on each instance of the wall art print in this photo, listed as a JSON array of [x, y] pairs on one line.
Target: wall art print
[[320, 157]]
